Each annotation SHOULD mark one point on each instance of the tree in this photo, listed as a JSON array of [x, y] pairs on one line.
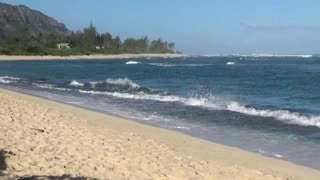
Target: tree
[[116, 44], [84, 41], [89, 40]]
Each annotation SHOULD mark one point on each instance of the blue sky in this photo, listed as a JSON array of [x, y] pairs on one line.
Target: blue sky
[[199, 27]]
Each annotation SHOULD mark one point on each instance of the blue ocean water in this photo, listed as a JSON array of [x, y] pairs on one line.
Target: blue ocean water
[[266, 105]]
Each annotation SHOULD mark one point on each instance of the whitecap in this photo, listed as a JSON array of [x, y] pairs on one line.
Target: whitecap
[[132, 62], [122, 81], [76, 83], [216, 104], [282, 115], [230, 63], [8, 79]]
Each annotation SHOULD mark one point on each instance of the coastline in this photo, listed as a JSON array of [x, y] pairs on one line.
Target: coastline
[[73, 135], [96, 56]]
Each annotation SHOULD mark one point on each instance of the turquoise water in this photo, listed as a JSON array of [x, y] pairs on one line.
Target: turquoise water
[[267, 105]]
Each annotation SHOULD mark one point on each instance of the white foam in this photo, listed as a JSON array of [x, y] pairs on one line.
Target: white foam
[[122, 81], [282, 115], [132, 62], [76, 84], [278, 155], [201, 102], [231, 63], [270, 154], [178, 65], [161, 64], [141, 96], [8, 79], [50, 86], [216, 104], [182, 127]]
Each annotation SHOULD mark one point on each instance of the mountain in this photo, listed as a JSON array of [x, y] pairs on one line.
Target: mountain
[[23, 19]]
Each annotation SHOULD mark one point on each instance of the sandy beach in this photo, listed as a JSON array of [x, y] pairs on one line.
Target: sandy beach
[[42, 138], [98, 56]]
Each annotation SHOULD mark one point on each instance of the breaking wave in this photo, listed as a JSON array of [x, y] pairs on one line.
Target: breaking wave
[[132, 62], [76, 83], [214, 103], [123, 85], [282, 115], [8, 79], [230, 63], [127, 89]]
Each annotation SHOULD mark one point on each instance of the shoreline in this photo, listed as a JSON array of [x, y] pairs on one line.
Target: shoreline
[[87, 57], [229, 159]]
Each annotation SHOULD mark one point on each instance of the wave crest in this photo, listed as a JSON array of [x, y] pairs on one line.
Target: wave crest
[[123, 85], [282, 115], [127, 89], [132, 62], [76, 83], [216, 104], [8, 79]]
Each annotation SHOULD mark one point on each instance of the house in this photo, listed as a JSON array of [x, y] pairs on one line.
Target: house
[[99, 47], [63, 46]]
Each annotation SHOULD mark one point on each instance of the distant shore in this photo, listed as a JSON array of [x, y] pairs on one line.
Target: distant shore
[[95, 56], [42, 138]]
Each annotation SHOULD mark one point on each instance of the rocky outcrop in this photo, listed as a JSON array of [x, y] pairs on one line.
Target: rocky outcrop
[[23, 19]]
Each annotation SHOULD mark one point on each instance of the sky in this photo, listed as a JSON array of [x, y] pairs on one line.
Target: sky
[[199, 27]]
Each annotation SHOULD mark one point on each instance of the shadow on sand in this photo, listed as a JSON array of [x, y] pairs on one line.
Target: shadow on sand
[[3, 166], [64, 177]]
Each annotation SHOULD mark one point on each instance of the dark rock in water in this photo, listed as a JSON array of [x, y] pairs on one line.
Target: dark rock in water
[[23, 19]]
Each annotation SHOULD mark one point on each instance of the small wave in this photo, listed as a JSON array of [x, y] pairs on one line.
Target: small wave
[[230, 63], [50, 86], [112, 85], [8, 79], [161, 64], [178, 65], [282, 115], [182, 127], [127, 89], [132, 62], [123, 82], [271, 154], [76, 83], [201, 102], [216, 104]]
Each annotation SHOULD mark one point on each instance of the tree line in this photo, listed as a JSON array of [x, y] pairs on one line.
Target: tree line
[[85, 42]]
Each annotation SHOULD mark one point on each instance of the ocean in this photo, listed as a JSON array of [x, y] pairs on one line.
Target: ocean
[[266, 105]]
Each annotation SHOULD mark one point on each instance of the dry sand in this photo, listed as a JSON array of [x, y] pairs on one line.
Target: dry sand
[[45, 138], [101, 56]]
